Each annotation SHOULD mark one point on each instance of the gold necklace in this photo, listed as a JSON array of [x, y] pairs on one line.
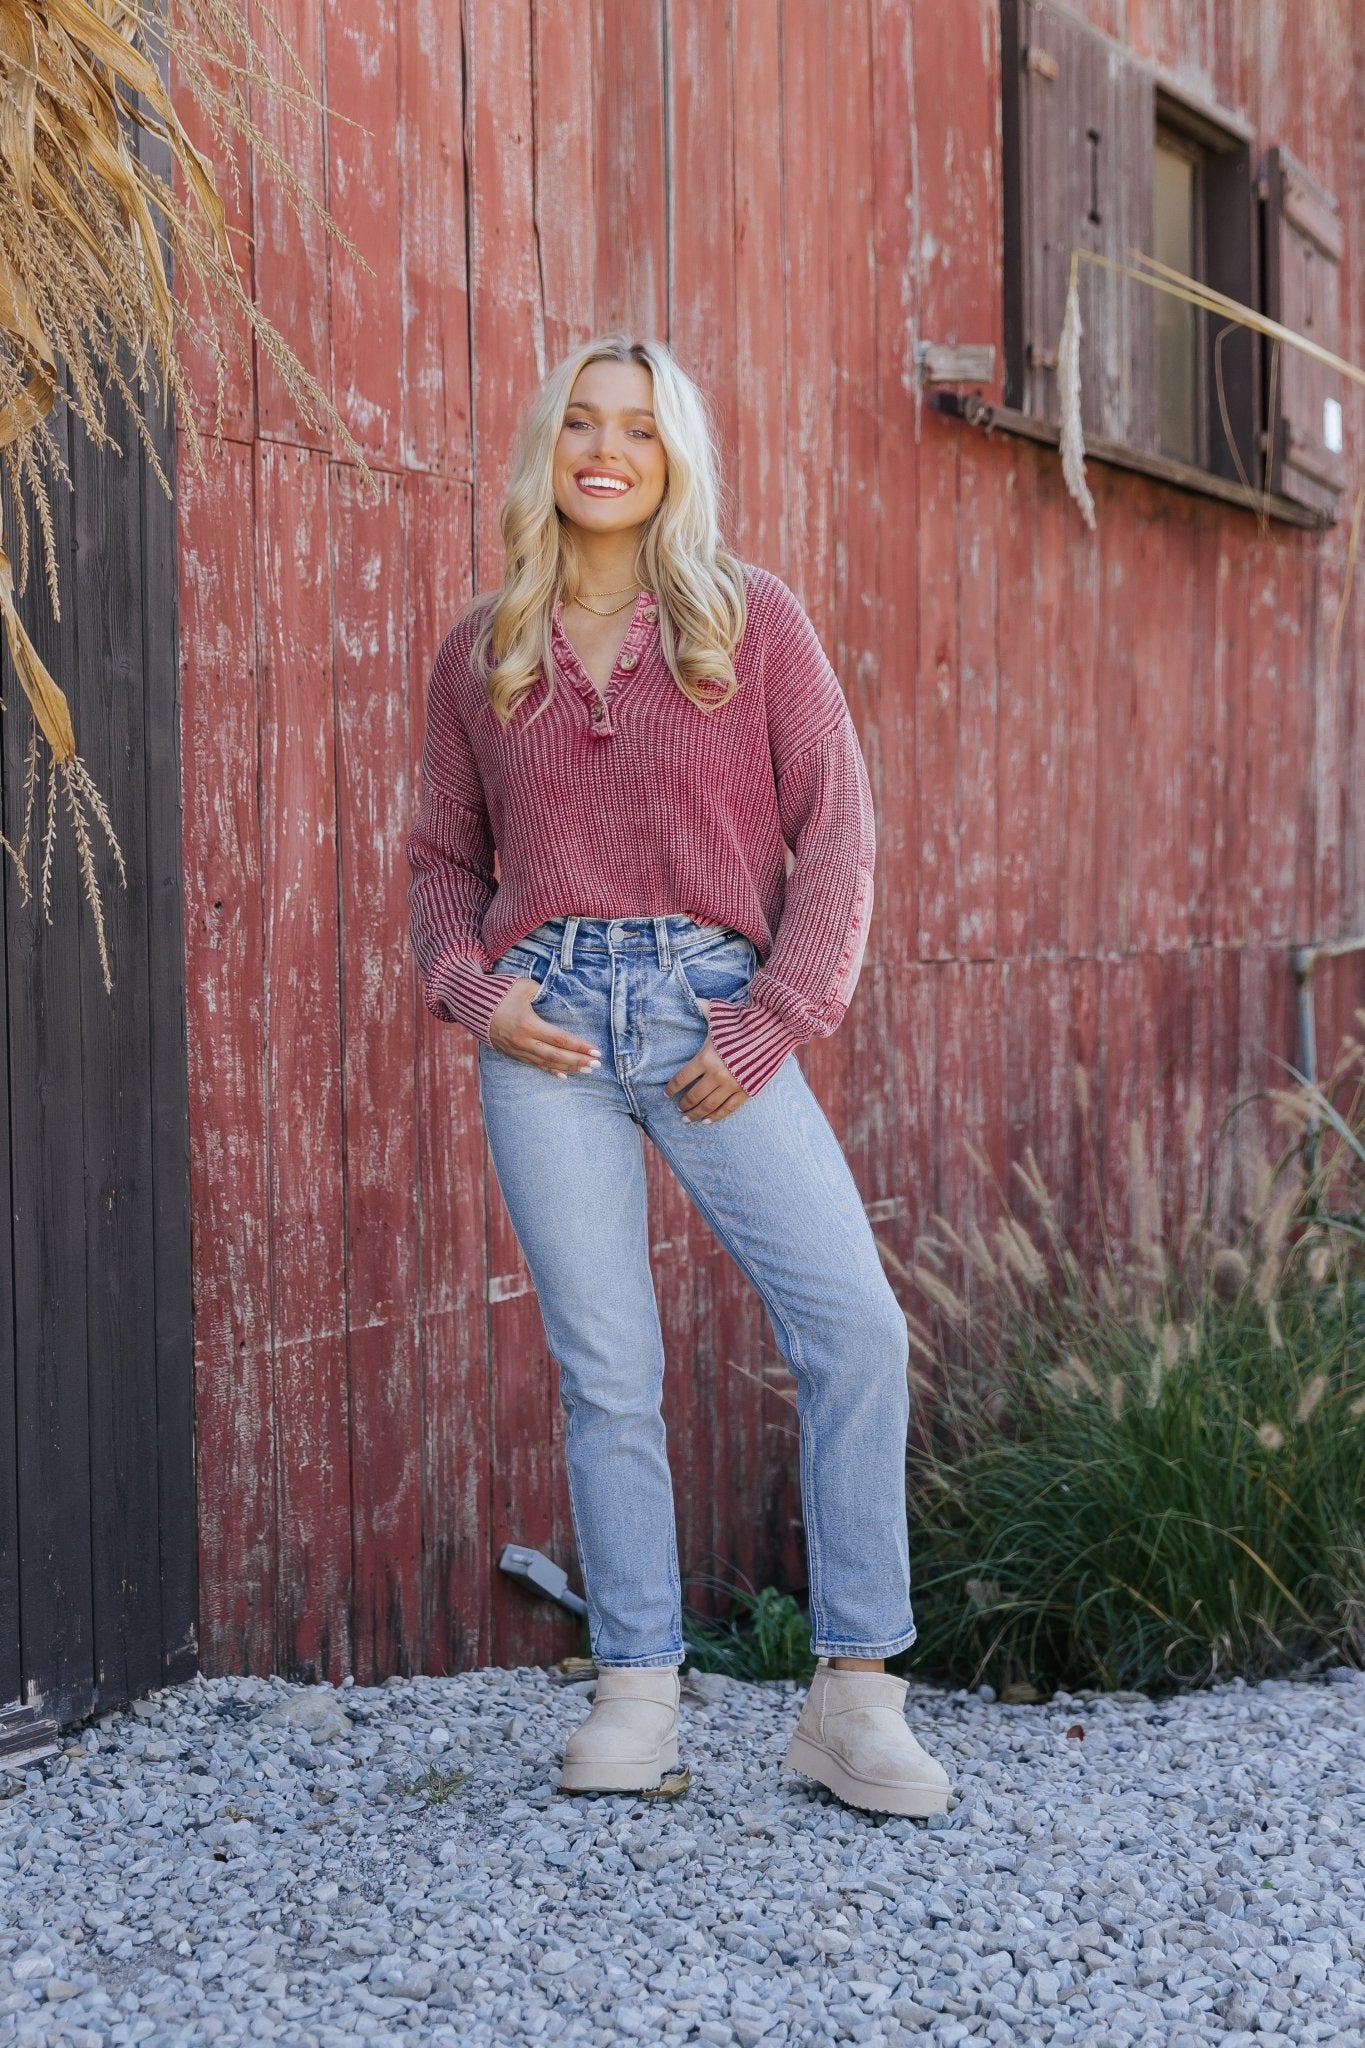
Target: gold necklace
[[612, 610]]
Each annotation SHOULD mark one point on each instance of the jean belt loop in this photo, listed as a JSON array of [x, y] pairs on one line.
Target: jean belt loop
[[662, 946], [566, 943]]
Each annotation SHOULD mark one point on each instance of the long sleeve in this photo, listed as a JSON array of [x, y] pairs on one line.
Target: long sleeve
[[825, 809], [450, 852], [805, 985]]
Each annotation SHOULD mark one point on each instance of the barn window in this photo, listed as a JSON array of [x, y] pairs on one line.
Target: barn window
[[1104, 154], [1178, 242]]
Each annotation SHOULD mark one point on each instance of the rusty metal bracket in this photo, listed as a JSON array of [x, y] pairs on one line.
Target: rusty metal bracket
[[954, 362]]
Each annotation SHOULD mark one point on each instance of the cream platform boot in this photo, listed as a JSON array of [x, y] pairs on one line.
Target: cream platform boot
[[852, 1736], [630, 1739]]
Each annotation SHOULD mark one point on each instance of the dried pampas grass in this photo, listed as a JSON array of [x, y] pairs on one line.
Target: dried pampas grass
[[1069, 391], [1146, 270], [88, 230]]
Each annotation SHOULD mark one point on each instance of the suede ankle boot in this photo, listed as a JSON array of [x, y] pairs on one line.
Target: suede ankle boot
[[630, 1739], [852, 1736]]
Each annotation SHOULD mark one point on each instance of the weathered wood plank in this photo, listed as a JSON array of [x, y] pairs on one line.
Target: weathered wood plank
[[805, 144], [1079, 597], [1119, 602], [895, 195], [701, 205], [366, 305], [631, 184], [436, 396], [957, 257], [452, 1281], [291, 253], [1019, 830], [375, 804], [119, 1276], [507, 337], [756, 466], [49, 1197], [11, 1668], [1203, 763], [1052, 512], [303, 1061], [167, 1065], [232, 173], [226, 1028], [936, 691], [565, 165], [980, 477]]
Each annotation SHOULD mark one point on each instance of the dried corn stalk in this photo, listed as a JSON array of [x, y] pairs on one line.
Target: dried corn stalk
[[86, 308]]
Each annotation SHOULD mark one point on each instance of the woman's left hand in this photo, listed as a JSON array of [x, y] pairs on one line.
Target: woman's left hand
[[705, 1088]]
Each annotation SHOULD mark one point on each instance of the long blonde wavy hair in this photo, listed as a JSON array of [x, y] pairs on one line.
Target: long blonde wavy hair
[[698, 582]]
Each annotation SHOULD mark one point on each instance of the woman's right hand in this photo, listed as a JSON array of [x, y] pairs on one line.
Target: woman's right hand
[[514, 1028]]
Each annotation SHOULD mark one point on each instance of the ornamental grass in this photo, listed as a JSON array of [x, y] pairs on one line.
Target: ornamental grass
[[1149, 1471]]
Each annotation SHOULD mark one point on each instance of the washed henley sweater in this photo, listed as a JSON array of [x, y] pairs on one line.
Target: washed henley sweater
[[637, 803]]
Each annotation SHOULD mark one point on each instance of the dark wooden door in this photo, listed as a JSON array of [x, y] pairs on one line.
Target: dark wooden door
[[97, 1527]]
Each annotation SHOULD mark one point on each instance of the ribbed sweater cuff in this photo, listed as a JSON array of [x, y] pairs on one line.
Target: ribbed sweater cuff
[[751, 1041], [461, 992]]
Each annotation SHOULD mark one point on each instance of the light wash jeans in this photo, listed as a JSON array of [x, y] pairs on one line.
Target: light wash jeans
[[773, 1184]]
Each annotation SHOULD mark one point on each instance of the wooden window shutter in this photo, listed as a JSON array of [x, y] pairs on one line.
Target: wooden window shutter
[[1303, 249], [1079, 118]]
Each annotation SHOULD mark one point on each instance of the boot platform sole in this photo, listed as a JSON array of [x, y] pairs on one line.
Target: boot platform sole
[[916, 1801], [606, 1774]]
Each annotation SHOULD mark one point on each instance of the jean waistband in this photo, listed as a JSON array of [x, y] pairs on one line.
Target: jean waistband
[[662, 936]]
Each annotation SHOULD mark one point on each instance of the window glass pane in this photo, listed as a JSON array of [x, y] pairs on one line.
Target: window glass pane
[[1175, 331]]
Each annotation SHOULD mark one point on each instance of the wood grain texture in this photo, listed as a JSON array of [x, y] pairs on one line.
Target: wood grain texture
[[303, 1060], [117, 1084], [506, 335], [436, 425], [1115, 775], [96, 1459], [292, 255], [374, 803], [226, 1004], [48, 1197], [365, 296]]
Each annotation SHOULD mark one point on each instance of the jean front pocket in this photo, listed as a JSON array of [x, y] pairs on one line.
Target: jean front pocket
[[534, 965], [719, 972]]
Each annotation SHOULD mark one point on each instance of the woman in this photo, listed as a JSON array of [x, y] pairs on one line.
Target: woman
[[638, 726]]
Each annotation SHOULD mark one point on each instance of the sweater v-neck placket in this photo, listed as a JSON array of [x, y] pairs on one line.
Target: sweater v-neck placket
[[628, 656]]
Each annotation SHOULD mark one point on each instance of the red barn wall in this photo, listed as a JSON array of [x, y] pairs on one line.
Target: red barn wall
[[1116, 776]]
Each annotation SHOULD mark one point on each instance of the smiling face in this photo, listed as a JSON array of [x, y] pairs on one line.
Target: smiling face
[[610, 468]]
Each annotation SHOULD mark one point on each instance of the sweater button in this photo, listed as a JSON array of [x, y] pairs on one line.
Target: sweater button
[[652, 614], [628, 660], [599, 712]]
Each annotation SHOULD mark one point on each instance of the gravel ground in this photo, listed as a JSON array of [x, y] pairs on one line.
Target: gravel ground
[[239, 1860]]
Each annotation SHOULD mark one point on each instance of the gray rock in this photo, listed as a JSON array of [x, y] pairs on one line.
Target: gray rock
[[706, 1688], [248, 1860]]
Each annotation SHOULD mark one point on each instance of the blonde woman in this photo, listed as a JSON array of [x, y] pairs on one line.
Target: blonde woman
[[638, 725]]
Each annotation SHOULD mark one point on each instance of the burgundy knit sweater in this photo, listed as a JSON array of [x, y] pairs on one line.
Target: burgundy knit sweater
[[636, 803]]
